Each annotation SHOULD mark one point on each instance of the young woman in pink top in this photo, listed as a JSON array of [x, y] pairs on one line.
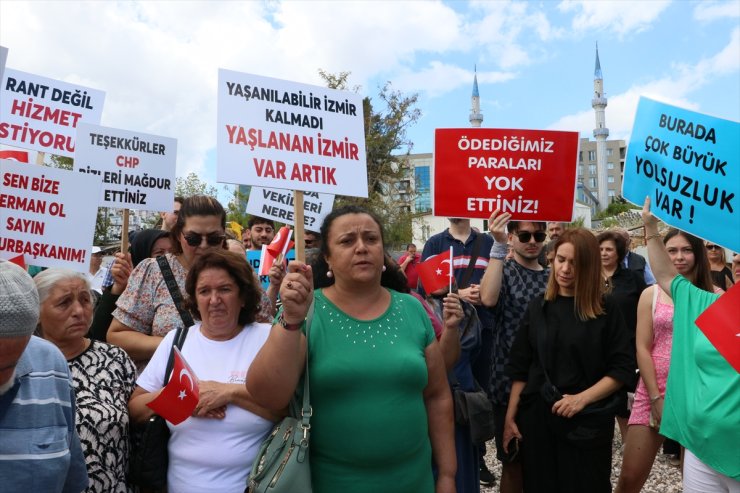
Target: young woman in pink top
[[654, 336]]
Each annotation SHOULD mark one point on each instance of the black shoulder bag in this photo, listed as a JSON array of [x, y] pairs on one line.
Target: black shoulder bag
[[149, 457]]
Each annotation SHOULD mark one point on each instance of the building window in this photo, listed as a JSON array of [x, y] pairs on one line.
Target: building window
[[592, 183], [610, 179], [610, 165], [580, 156], [580, 171], [592, 155], [609, 152], [591, 169], [612, 194]]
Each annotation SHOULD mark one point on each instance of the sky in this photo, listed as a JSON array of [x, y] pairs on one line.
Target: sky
[[158, 61]]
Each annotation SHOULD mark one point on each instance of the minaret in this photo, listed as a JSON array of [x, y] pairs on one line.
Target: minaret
[[476, 117], [600, 134]]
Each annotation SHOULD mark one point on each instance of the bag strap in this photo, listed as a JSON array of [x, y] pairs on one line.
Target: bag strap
[[471, 263], [178, 341], [307, 411], [174, 289], [540, 330]]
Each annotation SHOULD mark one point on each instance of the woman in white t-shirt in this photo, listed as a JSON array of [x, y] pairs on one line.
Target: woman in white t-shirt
[[213, 450]]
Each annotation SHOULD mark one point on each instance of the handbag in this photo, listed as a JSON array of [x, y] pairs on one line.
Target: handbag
[[474, 409], [281, 464], [149, 455]]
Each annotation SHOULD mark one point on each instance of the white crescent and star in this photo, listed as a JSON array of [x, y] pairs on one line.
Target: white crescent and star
[[186, 373]]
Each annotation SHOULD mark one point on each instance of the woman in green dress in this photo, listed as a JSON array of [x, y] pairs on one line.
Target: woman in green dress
[[382, 409]]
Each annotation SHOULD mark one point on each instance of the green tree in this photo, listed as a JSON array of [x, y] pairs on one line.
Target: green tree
[[192, 185], [236, 208], [616, 207], [386, 145]]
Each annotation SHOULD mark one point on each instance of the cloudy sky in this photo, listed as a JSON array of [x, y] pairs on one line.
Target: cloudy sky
[[158, 61]]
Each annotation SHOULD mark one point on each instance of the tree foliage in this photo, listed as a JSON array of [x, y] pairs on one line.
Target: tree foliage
[[192, 185], [616, 207], [386, 145], [236, 208]]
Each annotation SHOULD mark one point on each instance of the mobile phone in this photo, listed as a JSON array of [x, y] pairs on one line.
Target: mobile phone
[[513, 450]]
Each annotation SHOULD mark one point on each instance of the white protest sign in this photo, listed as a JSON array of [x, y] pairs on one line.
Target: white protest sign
[[3, 60], [46, 215], [138, 169], [280, 134], [41, 114], [277, 204]]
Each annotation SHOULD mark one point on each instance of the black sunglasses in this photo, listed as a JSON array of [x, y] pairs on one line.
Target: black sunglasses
[[714, 247], [212, 239], [525, 236]]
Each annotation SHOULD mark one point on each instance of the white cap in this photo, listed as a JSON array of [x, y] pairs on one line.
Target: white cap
[[19, 302]]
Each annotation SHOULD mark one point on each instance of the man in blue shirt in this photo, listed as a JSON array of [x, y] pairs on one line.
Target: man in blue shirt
[[39, 449]]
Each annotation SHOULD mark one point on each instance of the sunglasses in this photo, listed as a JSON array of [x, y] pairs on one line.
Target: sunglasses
[[525, 236], [714, 247], [212, 239]]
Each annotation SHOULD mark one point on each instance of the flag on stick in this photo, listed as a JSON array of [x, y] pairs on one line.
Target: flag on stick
[[434, 274], [179, 397]]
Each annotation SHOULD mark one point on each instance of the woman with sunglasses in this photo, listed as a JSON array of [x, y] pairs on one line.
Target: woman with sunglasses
[[146, 312], [721, 274]]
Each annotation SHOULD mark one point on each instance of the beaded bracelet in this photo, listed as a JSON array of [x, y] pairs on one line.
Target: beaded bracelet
[[655, 399], [650, 237]]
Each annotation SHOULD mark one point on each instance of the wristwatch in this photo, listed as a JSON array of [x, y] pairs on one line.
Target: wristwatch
[[286, 325]]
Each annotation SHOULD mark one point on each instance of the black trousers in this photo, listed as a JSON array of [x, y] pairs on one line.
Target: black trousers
[[564, 455]]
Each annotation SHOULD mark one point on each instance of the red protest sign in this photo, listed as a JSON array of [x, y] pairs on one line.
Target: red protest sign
[[528, 173], [721, 324], [179, 397]]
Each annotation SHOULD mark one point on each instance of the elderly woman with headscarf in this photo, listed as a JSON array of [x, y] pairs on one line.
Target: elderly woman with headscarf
[[102, 376], [148, 243]]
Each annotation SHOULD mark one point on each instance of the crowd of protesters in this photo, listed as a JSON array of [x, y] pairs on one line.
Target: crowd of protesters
[[557, 326]]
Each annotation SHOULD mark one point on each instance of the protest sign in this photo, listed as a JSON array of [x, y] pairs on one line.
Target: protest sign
[[281, 134], [689, 165], [277, 205], [41, 114], [253, 257], [528, 173], [46, 215], [137, 169], [3, 60]]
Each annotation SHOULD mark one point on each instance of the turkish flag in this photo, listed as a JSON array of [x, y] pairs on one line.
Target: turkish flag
[[279, 243], [435, 272], [179, 397], [19, 261], [21, 156], [721, 324]]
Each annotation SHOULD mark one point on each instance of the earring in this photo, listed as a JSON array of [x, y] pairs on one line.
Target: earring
[[383, 269], [329, 274]]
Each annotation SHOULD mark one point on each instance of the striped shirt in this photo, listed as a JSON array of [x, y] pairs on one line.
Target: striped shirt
[[39, 447]]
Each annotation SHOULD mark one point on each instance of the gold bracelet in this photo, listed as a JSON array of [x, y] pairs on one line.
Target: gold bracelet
[[650, 237]]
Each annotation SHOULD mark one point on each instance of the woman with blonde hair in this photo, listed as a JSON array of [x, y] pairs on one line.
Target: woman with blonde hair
[[571, 356]]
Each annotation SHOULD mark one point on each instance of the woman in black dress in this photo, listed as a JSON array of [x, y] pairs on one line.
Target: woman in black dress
[[571, 355]]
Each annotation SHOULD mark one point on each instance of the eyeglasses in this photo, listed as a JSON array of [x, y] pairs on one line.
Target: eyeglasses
[[212, 239], [525, 236], [714, 247]]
